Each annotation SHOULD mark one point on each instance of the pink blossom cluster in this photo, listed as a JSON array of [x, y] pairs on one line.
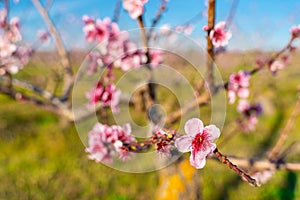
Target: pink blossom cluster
[[238, 86], [105, 142], [108, 95], [116, 48], [219, 35], [135, 8], [13, 54], [250, 114], [199, 141], [164, 141]]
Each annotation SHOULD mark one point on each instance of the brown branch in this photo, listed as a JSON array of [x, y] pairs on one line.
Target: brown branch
[[61, 111], [151, 85], [117, 11], [34, 89], [158, 16], [210, 47], [224, 160], [284, 133], [267, 62], [232, 12], [254, 164], [68, 73]]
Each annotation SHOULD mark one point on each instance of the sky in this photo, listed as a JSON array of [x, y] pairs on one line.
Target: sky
[[257, 24]]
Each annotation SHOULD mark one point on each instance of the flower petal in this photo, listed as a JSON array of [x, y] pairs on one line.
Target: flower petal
[[184, 143], [198, 160], [193, 126], [213, 131]]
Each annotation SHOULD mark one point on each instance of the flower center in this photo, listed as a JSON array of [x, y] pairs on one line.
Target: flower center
[[200, 141], [218, 35]]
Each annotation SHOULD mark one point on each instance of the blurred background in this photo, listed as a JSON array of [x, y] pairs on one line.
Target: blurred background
[[42, 156]]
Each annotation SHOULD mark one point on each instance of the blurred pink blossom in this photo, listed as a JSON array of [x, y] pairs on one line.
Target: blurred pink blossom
[[14, 34], [117, 50], [199, 140], [44, 36], [238, 86], [295, 31], [263, 176], [13, 53], [156, 57], [135, 8], [219, 35], [95, 30], [108, 95], [105, 141], [276, 65], [250, 113]]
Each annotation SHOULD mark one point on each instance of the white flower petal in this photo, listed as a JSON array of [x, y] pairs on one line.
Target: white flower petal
[[213, 131], [198, 160], [184, 143], [193, 126]]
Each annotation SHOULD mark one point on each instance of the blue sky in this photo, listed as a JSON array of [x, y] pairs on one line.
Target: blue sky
[[258, 24]]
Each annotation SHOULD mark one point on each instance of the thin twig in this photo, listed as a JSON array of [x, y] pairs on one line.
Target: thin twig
[[151, 85], [224, 160], [117, 11], [284, 133], [256, 164], [232, 13], [68, 72], [157, 18]]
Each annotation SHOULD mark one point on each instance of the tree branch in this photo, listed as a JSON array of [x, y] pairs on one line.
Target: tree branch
[[68, 73], [210, 48], [255, 164], [284, 133]]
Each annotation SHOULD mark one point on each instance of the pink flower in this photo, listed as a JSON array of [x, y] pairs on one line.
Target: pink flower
[[188, 29], [108, 95], [275, 66], [14, 34], [156, 57], [106, 141], [219, 35], [117, 48], [44, 36], [135, 8], [250, 113], [95, 30], [238, 86], [263, 176], [132, 57], [243, 106], [295, 31], [199, 140]]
